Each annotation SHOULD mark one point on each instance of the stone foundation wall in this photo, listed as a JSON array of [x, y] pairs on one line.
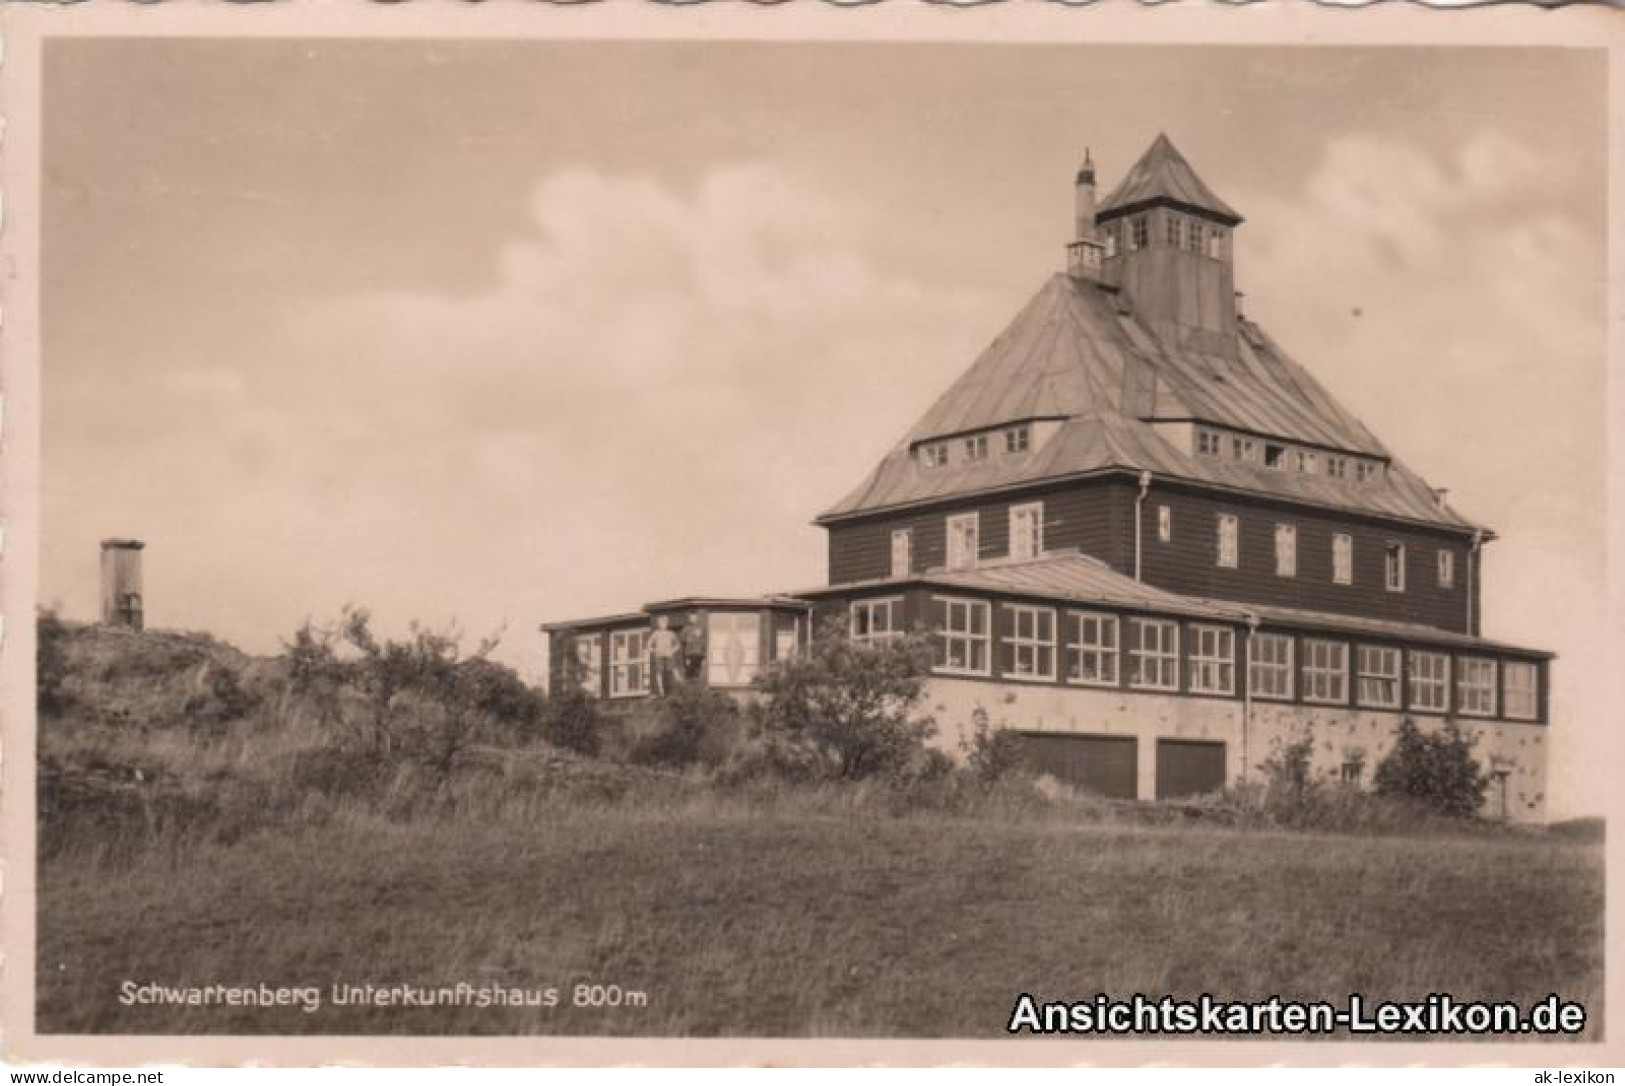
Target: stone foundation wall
[[1341, 734]]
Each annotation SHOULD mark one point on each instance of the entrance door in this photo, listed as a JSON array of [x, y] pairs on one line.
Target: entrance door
[[1107, 765], [1189, 767], [733, 647]]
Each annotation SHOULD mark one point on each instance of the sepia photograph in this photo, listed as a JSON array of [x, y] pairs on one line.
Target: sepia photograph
[[692, 537]]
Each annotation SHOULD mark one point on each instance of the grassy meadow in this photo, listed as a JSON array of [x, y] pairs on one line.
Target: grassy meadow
[[232, 855]]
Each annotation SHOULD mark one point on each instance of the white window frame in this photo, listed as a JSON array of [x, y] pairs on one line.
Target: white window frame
[[628, 671], [1027, 649], [865, 631], [1519, 694], [590, 664], [1213, 659], [1281, 453], [1093, 636], [957, 560], [1364, 471], [1342, 558], [1036, 511], [934, 454], [902, 552], [1165, 523], [949, 634], [1018, 439], [1434, 684], [1228, 531], [1325, 671], [976, 447], [1393, 566], [1209, 442], [1308, 462], [1139, 233], [1161, 656], [1272, 677], [1447, 567], [1337, 467], [1477, 678], [1286, 549], [1243, 449], [1380, 669]]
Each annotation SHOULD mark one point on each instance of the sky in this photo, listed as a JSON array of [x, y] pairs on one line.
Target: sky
[[498, 333]]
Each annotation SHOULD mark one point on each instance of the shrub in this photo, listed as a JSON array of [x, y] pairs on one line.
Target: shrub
[[991, 754], [51, 666], [1290, 788], [571, 719], [696, 725], [1436, 769], [851, 704]]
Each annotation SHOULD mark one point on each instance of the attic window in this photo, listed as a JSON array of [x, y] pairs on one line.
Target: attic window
[[1308, 462], [1208, 442], [1365, 470], [1274, 456], [976, 447], [1018, 439], [934, 455], [1337, 467], [1242, 448]]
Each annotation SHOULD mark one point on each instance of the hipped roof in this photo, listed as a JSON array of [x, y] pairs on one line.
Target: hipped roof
[[1162, 175], [1075, 354]]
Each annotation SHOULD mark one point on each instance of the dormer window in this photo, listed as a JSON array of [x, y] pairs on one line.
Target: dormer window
[[934, 455], [1274, 456], [1364, 471], [976, 447], [1208, 442], [1337, 467], [1018, 439], [1242, 448]]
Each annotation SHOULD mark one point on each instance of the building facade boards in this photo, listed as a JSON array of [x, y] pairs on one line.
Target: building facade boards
[[1147, 541]]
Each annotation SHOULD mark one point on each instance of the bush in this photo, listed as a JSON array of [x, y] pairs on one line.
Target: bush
[[1436, 769], [571, 720], [51, 666], [1291, 792], [851, 704], [991, 754], [696, 725]]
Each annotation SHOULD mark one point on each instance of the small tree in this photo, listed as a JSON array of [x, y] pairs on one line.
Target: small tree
[[1436, 768], [991, 754], [852, 703], [696, 724]]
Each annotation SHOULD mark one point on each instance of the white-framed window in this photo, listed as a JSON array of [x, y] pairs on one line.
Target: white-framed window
[[877, 620], [1447, 568], [1243, 448], [1176, 230], [1325, 671], [1153, 654], [1393, 567], [1430, 681], [1475, 686], [1165, 524], [1337, 467], [1139, 233], [1027, 530], [1269, 671], [1364, 470], [902, 552], [934, 455], [1091, 648], [1195, 234], [1286, 550], [733, 647], [1275, 456], [1229, 547], [1018, 439], [1522, 681], [1215, 243], [1029, 648], [964, 540], [1213, 660], [1379, 677], [1342, 559], [628, 663], [962, 647], [1308, 462], [589, 650], [976, 447], [1209, 442]]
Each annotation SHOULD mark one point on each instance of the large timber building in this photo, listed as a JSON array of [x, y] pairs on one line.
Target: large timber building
[[1148, 541]]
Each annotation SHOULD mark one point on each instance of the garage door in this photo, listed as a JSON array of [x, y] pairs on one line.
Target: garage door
[[1188, 767], [1104, 764]]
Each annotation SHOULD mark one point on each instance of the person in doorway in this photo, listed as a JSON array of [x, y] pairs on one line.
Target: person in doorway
[[694, 647], [662, 656]]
